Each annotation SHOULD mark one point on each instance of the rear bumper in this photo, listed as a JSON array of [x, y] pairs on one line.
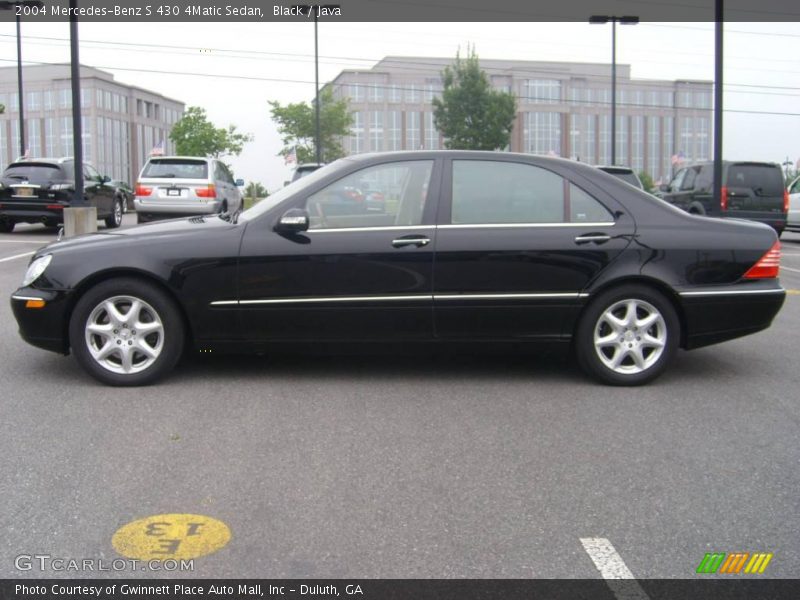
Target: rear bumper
[[37, 214], [724, 313], [163, 209], [775, 220]]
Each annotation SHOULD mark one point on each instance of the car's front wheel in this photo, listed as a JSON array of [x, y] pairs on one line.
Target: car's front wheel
[[627, 335], [126, 332], [6, 226]]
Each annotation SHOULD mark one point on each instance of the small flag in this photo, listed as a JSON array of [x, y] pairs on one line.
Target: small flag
[[291, 157], [159, 149]]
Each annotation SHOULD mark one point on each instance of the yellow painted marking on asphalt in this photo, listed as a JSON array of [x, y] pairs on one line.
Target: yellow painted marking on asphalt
[[793, 292], [171, 536]]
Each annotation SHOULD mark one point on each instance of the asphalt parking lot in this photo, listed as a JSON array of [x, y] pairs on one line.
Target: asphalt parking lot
[[407, 467]]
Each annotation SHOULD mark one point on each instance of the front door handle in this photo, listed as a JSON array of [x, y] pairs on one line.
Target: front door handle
[[597, 238], [417, 241]]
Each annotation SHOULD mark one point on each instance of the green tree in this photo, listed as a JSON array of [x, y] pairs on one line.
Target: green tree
[[195, 135], [297, 126], [471, 115], [2, 108], [255, 190], [647, 182]]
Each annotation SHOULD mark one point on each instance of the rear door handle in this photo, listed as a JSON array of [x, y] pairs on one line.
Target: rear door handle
[[597, 238], [417, 241]]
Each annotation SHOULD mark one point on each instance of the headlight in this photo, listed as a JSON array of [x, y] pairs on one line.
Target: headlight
[[36, 268]]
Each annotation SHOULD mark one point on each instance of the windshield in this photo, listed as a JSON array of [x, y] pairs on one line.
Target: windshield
[[290, 190], [37, 173], [176, 167]]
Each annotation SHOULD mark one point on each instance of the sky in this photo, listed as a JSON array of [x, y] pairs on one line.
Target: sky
[[233, 69]]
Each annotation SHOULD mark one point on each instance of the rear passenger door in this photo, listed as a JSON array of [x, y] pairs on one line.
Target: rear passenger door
[[98, 193], [226, 186], [516, 245]]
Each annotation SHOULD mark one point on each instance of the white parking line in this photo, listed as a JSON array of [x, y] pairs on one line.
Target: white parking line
[[613, 569], [7, 258], [41, 242], [789, 269]]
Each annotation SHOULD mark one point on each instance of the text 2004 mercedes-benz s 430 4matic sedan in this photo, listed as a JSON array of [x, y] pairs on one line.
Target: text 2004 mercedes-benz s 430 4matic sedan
[[467, 247]]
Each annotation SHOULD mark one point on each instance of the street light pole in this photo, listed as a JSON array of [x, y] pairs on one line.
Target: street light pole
[[316, 83], [16, 5], [602, 20], [20, 93]]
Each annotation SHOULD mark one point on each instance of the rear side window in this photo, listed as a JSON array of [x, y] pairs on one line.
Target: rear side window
[[34, 173], [174, 168], [764, 180], [494, 192]]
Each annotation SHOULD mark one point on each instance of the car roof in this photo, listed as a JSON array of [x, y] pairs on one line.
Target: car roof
[[194, 158]]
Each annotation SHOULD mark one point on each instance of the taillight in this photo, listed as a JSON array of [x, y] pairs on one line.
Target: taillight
[[54, 207], [207, 192], [723, 198], [768, 265], [786, 201], [143, 191]]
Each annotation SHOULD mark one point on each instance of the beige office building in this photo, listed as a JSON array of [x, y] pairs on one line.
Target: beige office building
[[563, 109], [121, 123]]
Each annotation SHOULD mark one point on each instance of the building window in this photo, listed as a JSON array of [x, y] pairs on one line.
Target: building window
[[542, 133], [622, 141], [357, 134], [394, 130], [431, 133], [604, 136], [687, 137], [356, 92], [412, 131], [653, 149], [542, 91], [65, 131], [375, 131], [582, 137], [13, 102], [412, 93], [668, 146], [50, 137], [86, 140], [86, 97], [394, 95], [65, 98], [33, 137], [375, 92], [637, 143], [701, 136], [431, 90], [33, 100], [3, 147]]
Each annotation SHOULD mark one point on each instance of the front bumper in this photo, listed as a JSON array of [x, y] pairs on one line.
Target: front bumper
[[45, 327]]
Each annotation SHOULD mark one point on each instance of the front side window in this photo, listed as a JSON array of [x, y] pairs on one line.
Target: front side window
[[494, 192], [392, 194]]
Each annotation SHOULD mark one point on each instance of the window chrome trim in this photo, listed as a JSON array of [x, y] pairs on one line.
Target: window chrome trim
[[517, 225], [377, 228], [25, 298], [732, 292], [399, 298]]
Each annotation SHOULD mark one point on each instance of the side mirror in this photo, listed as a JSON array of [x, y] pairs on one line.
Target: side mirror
[[239, 182], [293, 220], [105, 179]]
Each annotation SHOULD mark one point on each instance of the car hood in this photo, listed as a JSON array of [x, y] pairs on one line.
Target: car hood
[[150, 232]]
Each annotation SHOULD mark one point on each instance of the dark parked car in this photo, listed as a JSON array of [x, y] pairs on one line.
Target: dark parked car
[[626, 174], [38, 190], [750, 190], [125, 193], [479, 247]]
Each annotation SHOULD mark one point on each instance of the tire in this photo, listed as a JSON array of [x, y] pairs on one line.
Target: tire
[[610, 341], [114, 220], [7, 226], [98, 338]]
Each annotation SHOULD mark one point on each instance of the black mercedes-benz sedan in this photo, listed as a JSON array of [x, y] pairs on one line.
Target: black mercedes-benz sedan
[[470, 247]]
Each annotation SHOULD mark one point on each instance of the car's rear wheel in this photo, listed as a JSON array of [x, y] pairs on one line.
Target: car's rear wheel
[[126, 332], [114, 220], [6, 226], [627, 335]]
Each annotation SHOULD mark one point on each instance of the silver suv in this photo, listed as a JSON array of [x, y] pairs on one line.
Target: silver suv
[[178, 186]]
